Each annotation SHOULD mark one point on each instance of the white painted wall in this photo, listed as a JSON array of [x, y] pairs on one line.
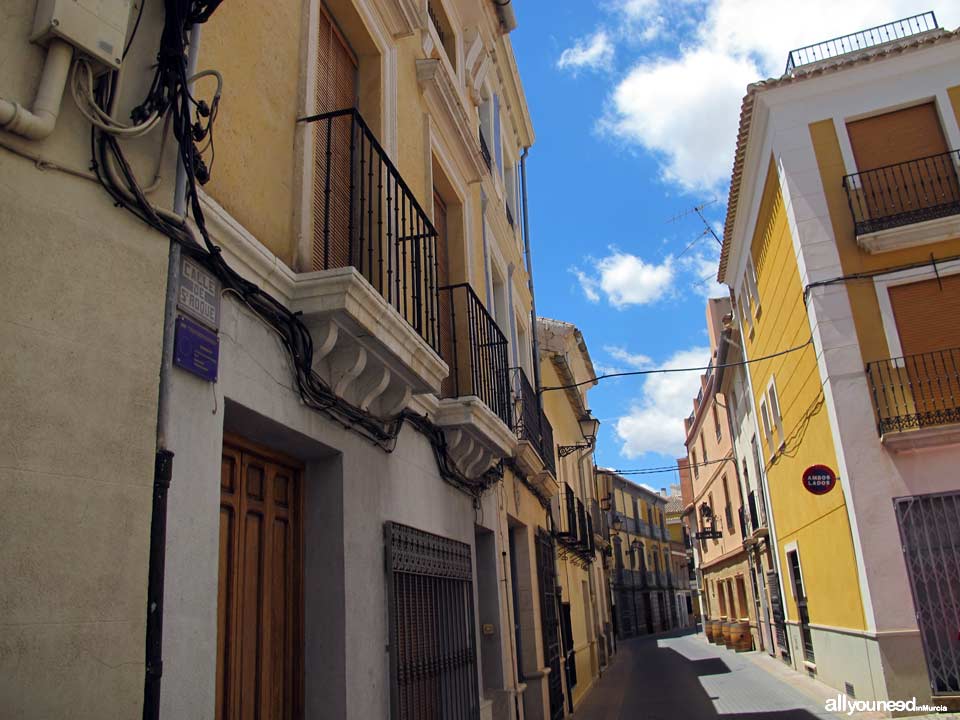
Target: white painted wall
[[871, 476]]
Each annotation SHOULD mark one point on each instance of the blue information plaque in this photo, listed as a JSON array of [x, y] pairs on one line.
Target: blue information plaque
[[196, 349]]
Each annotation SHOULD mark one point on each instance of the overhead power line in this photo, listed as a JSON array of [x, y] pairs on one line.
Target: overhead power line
[[664, 371], [671, 468]]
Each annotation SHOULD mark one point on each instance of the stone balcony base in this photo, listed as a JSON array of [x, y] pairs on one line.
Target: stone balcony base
[[476, 437], [362, 348], [928, 437]]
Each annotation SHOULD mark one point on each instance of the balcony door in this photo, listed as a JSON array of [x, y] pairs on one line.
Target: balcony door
[[336, 89], [904, 152], [927, 314], [260, 597], [443, 280]]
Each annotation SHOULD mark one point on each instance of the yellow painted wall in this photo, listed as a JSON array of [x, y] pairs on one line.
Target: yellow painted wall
[[256, 46], [818, 523], [863, 296]]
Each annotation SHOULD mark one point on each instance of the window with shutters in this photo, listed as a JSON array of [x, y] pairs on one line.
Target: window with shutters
[[906, 172], [921, 386]]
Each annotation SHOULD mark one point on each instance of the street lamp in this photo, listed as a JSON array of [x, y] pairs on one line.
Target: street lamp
[[616, 523], [588, 428]]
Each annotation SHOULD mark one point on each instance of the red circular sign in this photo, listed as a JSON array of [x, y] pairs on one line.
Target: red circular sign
[[819, 479]]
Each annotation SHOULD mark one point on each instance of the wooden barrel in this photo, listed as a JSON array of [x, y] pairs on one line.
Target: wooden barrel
[[715, 634], [740, 637], [708, 627], [726, 634]]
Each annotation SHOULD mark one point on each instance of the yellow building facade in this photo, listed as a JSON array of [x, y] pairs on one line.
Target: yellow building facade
[[840, 248], [577, 522], [643, 567]]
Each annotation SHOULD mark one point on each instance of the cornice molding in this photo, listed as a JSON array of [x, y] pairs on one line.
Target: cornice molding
[[404, 17], [447, 105]]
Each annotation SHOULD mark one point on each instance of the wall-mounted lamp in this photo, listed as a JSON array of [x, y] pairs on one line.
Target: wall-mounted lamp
[[589, 426]]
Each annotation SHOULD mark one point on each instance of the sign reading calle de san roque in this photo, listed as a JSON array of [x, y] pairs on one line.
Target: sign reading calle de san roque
[[819, 479]]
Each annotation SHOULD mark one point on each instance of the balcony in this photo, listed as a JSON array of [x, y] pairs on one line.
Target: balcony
[[861, 40], [756, 514], [917, 399], [921, 192], [485, 152], [535, 453], [371, 303], [599, 518], [475, 410], [572, 524]]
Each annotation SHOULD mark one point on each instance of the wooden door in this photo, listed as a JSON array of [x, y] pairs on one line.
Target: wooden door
[[336, 89], [260, 598]]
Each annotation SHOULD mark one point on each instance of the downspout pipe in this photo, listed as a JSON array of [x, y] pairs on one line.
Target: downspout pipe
[[39, 123], [163, 466], [529, 260]]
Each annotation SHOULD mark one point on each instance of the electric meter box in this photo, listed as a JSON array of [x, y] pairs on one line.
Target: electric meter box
[[97, 28]]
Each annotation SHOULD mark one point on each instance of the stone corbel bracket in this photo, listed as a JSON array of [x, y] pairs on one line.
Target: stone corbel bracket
[[448, 107], [404, 17], [476, 437], [362, 348], [477, 63]]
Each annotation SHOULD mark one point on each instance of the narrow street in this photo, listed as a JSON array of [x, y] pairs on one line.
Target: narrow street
[[681, 676]]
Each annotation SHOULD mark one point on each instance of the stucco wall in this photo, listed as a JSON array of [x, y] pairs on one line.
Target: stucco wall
[[82, 288], [818, 523], [256, 47]]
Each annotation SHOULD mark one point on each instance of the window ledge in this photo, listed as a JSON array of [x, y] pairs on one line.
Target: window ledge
[[908, 236]]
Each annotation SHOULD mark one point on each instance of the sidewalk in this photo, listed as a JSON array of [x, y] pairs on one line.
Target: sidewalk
[[816, 690]]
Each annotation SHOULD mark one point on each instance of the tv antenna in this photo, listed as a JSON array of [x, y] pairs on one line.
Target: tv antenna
[[708, 228]]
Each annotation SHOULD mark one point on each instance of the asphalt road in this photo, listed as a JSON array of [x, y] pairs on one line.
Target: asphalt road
[[682, 677]]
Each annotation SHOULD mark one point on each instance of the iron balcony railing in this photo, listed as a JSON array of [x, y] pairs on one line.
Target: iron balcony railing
[[905, 193], [861, 40], [531, 423], [599, 518], [757, 511], [916, 391], [365, 216], [475, 349], [572, 524], [485, 152]]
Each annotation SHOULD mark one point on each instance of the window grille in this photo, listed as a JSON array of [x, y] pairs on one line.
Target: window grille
[[433, 655]]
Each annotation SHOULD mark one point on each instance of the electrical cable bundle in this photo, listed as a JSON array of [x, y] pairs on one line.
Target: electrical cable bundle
[[170, 96]]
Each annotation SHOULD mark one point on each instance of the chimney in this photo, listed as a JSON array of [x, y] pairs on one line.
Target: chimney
[[663, 491]]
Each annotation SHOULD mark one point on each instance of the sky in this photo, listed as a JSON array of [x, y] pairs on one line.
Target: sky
[[635, 105]]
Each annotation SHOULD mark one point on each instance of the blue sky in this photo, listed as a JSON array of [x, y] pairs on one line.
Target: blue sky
[[635, 105]]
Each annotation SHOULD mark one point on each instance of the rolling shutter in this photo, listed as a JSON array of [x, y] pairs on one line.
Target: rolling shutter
[[336, 89], [896, 137], [928, 317]]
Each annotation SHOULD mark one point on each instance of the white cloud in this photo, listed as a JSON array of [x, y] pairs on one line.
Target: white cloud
[[685, 111], [588, 284], [655, 421], [593, 53], [634, 360], [683, 105], [626, 279]]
